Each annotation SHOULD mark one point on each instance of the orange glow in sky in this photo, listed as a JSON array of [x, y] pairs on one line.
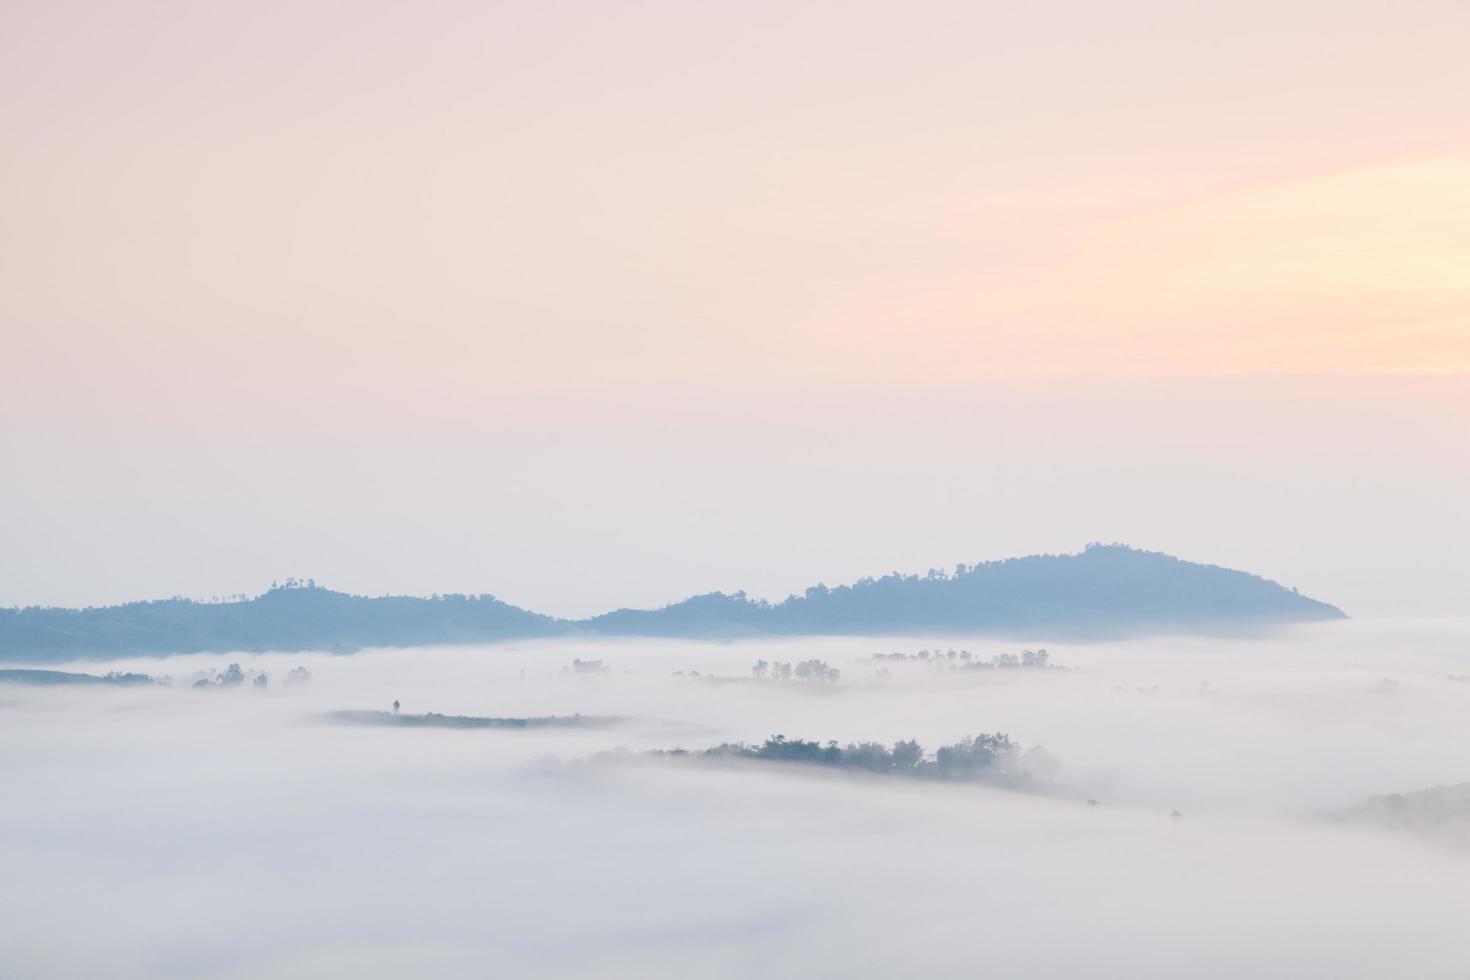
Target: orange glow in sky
[[247, 246]]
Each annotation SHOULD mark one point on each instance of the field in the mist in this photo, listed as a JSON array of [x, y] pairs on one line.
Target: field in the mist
[[169, 831]]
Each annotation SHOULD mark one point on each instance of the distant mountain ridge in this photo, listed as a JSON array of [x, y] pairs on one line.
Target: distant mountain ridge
[[1104, 590], [285, 618], [1109, 589]]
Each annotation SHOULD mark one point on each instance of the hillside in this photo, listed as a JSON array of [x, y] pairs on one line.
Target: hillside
[[296, 618], [1105, 590]]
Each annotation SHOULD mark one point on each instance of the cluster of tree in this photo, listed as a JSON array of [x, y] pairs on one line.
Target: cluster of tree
[[805, 670], [578, 666], [128, 677], [436, 720], [27, 676], [232, 676], [235, 676], [1442, 812], [983, 758], [1031, 659]]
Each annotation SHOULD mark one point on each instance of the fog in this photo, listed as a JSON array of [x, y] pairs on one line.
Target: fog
[[169, 831]]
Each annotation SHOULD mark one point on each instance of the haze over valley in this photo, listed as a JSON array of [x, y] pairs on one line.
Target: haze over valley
[[586, 849]]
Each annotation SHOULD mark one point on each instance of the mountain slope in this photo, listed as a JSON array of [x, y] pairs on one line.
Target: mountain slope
[[1106, 590], [281, 619]]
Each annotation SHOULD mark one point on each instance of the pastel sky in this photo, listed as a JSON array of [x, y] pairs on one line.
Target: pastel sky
[[595, 304]]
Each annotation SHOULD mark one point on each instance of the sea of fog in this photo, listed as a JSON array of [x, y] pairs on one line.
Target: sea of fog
[[175, 831]]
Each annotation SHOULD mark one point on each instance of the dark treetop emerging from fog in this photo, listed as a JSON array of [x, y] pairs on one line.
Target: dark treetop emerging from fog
[[1105, 591]]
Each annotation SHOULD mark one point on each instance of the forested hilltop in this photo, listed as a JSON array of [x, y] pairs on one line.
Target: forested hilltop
[[1103, 591], [1106, 590], [295, 616]]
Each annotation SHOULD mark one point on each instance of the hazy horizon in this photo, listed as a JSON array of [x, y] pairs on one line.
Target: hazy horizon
[[949, 570], [592, 308], [1271, 476]]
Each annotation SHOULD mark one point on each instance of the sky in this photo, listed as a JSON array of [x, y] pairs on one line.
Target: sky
[[593, 305]]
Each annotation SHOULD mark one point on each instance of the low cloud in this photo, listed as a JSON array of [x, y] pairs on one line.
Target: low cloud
[[173, 831]]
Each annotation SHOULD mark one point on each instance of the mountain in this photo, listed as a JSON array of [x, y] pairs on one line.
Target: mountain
[[290, 618], [1104, 591]]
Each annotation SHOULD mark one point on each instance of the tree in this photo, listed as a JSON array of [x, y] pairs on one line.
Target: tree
[[872, 756], [817, 670], [968, 760], [907, 756]]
